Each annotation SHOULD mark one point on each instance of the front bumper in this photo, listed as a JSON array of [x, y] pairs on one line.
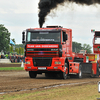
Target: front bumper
[[53, 67]]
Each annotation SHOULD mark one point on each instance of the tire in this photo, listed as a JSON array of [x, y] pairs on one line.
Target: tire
[[92, 75], [32, 74], [97, 69], [79, 75], [64, 74]]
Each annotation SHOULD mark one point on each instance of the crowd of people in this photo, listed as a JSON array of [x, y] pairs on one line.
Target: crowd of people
[[16, 58], [13, 57]]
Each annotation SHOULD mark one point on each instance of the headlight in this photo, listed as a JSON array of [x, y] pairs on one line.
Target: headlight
[[28, 62], [57, 62]]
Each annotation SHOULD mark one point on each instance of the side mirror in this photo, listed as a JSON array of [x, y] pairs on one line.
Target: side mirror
[[23, 37]]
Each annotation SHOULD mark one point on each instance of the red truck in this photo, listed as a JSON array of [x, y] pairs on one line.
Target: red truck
[[96, 45], [49, 50]]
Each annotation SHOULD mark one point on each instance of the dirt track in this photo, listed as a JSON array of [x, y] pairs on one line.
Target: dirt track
[[10, 65], [16, 81]]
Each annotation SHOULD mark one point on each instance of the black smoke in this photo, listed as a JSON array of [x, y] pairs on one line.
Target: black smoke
[[45, 6]]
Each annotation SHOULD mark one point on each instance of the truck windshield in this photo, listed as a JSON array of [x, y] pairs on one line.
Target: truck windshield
[[97, 40], [43, 36]]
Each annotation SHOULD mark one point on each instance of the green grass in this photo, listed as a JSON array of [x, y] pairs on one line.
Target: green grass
[[10, 68], [82, 92]]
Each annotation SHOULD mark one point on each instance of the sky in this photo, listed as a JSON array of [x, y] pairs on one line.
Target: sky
[[20, 15]]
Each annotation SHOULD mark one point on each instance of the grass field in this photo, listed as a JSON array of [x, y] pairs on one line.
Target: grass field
[[82, 92], [10, 68]]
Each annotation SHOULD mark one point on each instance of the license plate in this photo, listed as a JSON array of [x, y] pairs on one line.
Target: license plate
[[42, 68]]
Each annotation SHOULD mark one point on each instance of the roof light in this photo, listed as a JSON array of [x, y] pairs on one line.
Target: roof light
[[92, 30]]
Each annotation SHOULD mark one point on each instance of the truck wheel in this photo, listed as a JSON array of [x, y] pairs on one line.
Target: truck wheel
[[92, 75], [32, 74], [64, 74], [79, 75], [97, 69]]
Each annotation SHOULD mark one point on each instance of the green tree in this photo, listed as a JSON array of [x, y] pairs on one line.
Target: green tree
[[87, 47], [19, 45], [76, 47], [20, 50], [17, 50], [4, 38], [11, 48]]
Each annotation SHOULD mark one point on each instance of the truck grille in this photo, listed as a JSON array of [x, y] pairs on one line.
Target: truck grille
[[42, 52], [42, 61]]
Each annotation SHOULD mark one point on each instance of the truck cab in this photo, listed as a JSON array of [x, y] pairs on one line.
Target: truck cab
[[47, 50], [96, 42]]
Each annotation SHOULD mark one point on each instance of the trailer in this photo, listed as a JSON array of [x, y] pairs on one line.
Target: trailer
[[49, 50]]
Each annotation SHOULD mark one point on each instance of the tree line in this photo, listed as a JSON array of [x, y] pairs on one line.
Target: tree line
[[19, 48], [76, 47], [19, 51]]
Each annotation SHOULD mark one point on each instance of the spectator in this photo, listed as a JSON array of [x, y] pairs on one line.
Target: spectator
[[6, 55], [14, 57], [2, 56]]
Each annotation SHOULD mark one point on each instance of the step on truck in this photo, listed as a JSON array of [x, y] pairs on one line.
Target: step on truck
[[49, 50]]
